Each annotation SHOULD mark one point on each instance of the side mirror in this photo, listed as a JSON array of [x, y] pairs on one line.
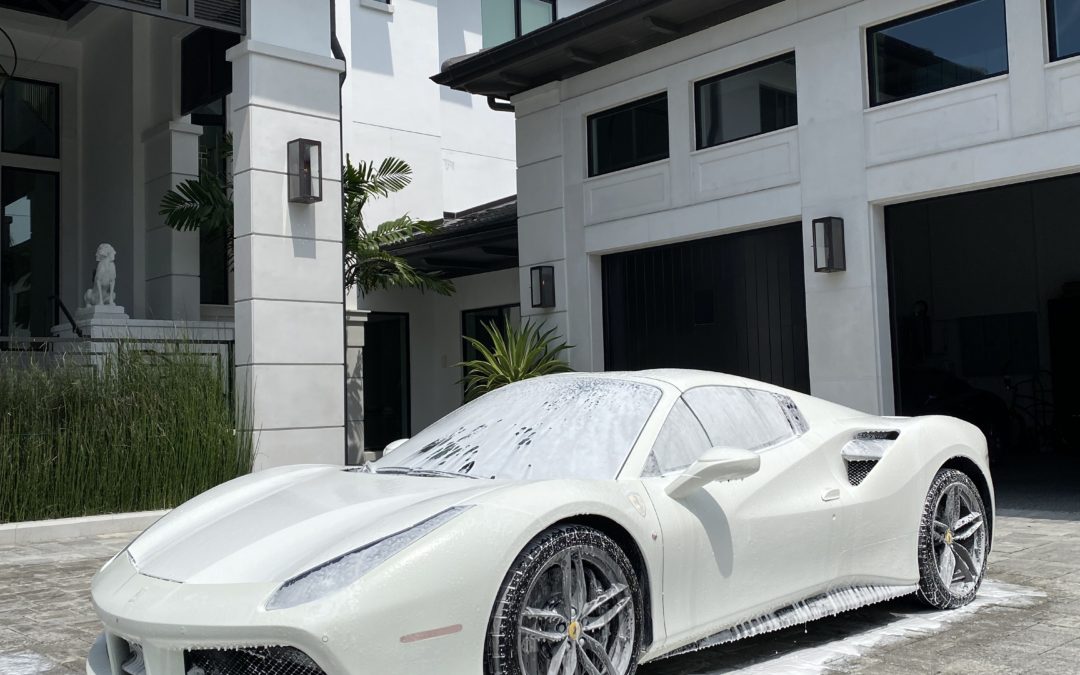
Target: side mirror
[[716, 465], [394, 446]]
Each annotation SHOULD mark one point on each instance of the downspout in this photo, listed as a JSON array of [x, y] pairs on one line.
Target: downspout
[[500, 106], [339, 54]]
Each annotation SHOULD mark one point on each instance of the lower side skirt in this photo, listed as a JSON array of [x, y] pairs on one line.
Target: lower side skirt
[[820, 606]]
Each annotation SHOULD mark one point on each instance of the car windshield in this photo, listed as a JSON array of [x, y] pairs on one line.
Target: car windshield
[[558, 427]]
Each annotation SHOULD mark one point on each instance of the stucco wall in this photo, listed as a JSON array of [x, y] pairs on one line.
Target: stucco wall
[[842, 160]]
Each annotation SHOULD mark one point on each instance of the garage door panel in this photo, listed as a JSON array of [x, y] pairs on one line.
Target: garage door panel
[[734, 303]]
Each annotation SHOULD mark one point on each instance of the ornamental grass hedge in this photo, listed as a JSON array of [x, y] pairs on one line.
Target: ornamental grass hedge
[[86, 434]]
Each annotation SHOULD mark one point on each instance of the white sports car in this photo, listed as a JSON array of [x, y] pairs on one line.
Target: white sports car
[[580, 523]]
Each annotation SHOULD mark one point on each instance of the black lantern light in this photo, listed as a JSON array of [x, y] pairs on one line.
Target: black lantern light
[[829, 245], [543, 286], [305, 171]]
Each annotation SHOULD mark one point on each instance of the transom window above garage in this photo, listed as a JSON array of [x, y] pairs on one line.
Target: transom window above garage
[[630, 135], [1064, 21], [945, 47], [747, 102]]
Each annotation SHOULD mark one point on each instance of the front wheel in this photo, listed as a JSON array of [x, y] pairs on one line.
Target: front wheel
[[571, 604], [952, 541]]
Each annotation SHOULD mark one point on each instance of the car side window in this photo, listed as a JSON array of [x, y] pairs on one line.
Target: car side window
[[680, 443], [745, 418]]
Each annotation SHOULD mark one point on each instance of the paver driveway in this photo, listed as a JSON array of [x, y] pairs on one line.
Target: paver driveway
[[1027, 620]]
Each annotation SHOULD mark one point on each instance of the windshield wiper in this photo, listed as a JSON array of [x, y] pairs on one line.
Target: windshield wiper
[[424, 473]]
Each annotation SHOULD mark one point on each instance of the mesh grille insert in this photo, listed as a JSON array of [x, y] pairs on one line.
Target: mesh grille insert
[[250, 661], [858, 470]]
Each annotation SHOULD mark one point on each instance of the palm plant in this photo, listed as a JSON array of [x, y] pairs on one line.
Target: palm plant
[[368, 264], [206, 204], [516, 354]]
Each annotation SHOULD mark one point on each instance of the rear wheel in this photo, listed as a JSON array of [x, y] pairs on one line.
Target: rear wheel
[[952, 541], [570, 605]]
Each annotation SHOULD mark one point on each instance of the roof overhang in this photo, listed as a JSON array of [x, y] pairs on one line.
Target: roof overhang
[[481, 239], [594, 37]]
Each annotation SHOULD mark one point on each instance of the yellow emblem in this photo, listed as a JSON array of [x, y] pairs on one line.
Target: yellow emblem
[[574, 630], [948, 537]]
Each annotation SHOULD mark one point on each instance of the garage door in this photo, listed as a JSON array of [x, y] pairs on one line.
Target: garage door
[[734, 304]]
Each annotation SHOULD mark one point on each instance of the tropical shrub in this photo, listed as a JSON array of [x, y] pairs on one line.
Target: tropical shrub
[[205, 204], [516, 354], [126, 431]]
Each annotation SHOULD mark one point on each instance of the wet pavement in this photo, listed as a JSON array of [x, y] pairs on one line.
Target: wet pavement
[[1027, 619]]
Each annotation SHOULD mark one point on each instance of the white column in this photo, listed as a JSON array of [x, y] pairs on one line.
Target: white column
[[172, 257], [288, 257], [846, 365]]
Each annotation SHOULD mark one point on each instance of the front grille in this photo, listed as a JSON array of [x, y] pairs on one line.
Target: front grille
[[858, 470], [250, 661]]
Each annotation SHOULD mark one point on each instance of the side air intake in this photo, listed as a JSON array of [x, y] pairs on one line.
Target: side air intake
[[862, 453]]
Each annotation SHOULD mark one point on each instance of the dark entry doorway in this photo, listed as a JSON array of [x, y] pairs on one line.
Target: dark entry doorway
[[734, 303], [386, 379], [985, 297]]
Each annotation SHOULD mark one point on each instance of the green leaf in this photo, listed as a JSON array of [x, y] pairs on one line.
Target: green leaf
[[516, 354]]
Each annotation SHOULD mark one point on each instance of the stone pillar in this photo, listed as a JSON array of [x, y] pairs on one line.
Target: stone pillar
[[354, 387], [288, 257], [172, 257]]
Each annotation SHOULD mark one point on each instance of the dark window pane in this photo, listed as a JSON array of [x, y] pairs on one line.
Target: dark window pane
[[628, 136], [536, 14], [214, 260], [748, 102], [205, 74], [1064, 28], [951, 46], [28, 229], [31, 118]]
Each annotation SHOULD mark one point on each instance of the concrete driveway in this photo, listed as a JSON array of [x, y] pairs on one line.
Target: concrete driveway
[[1027, 619]]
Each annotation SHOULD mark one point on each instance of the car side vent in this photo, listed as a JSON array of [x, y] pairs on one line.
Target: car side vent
[[862, 453], [858, 470]]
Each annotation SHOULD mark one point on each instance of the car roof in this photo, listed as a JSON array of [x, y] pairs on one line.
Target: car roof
[[681, 378]]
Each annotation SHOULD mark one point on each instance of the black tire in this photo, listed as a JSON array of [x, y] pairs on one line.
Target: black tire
[[967, 546], [540, 557]]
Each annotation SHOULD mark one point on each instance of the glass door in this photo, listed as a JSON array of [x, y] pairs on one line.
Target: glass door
[[29, 220], [29, 206]]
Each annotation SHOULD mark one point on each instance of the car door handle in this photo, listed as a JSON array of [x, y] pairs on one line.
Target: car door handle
[[830, 495]]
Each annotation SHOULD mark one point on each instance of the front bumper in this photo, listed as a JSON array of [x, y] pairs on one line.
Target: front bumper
[[345, 636]]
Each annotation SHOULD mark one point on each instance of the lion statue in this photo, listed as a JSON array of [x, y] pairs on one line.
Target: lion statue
[[103, 290]]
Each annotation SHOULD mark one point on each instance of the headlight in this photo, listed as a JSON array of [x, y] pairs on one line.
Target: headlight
[[342, 571]]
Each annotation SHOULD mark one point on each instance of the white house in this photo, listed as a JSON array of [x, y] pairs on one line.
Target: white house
[[463, 157], [673, 157], [108, 103], [105, 105]]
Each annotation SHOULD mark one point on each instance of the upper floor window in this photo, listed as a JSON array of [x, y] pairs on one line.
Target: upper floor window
[[750, 419], [747, 102], [504, 20], [944, 47], [30, 118], [1064, 20], [630, 135]]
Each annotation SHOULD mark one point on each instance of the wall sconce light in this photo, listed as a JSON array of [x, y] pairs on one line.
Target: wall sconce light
[[543, 286], [829, 253], [305, 171]]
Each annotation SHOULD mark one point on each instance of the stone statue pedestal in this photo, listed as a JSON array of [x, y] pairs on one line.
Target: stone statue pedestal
[[97, 321]]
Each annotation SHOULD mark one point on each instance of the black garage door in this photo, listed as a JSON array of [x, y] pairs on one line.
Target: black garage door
[[734, 304]]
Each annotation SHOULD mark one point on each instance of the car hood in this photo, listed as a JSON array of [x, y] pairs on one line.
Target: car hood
[[273, 525]]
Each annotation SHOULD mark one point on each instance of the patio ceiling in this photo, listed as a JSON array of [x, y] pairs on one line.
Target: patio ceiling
[[53, 9], [481, 239], [226, 15]]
